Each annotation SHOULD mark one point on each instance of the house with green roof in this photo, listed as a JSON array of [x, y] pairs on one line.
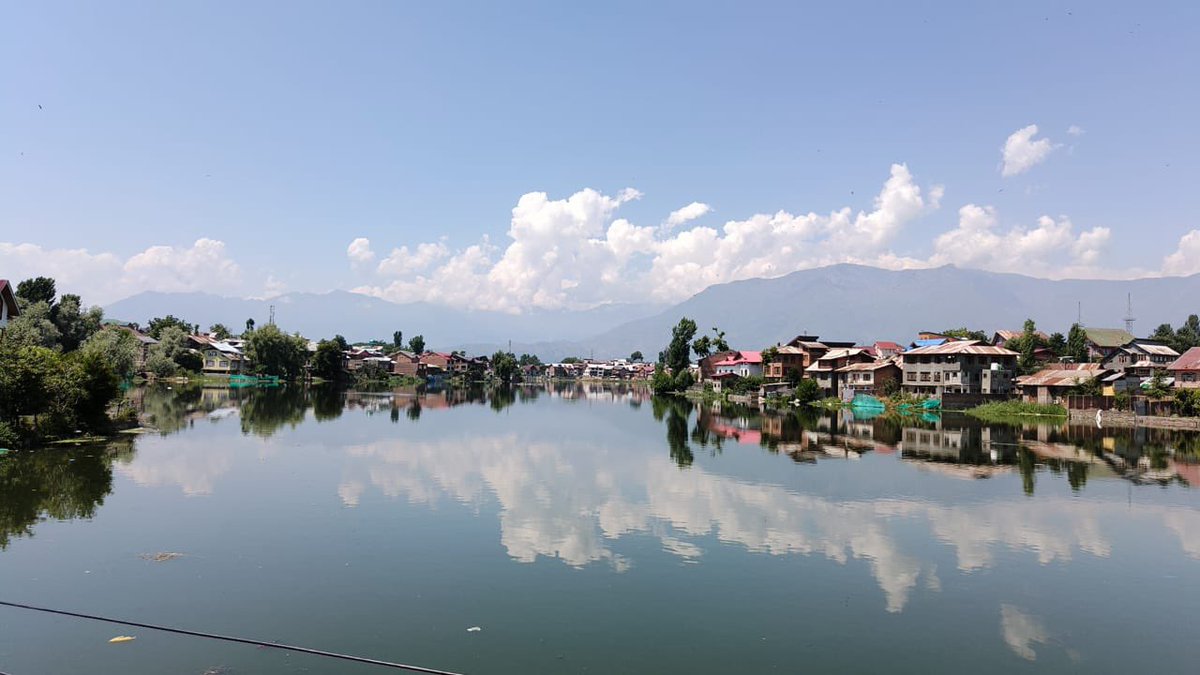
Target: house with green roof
[[1102, 342]]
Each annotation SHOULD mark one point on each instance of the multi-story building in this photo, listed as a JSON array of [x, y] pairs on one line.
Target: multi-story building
[[870, 377], [827, 371], [959, 367], [798, 354], [1186, 369]]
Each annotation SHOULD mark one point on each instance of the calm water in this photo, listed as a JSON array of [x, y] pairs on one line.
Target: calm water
[[600, 531]]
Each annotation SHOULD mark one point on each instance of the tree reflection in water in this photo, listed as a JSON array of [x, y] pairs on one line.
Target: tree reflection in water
[[58, 483]]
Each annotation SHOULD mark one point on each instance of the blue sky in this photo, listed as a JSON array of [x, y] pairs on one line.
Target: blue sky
[[278, 133]]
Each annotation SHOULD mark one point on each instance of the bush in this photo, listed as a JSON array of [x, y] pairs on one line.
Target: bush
[[190, 361], [807, 391], [9, 438], [1006, 410], [1187, 402]]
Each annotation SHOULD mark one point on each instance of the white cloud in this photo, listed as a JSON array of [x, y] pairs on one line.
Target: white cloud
[[1186, 258], [573, 252], [1021, 631], [688, 213], [359, 251], [1022, 153], [103, 277], [1075, 130], [1052, 249]]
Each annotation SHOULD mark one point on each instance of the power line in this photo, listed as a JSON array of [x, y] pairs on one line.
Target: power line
[[226, 638]]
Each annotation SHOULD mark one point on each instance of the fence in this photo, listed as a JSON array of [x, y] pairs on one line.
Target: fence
[[1139, 405]]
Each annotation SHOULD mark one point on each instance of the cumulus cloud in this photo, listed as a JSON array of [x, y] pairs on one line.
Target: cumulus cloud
[[1051, 249], [1021, 153], [1186, 258], [1075, 130], [104, 277], [574, 252], [688, 213], [359, 251]]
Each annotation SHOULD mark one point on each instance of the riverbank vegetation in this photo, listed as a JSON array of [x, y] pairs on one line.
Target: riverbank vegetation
[[1003, 411]]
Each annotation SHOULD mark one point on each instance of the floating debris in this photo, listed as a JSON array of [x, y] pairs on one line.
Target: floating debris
[[474, 629], [161, 556], [123, 638]]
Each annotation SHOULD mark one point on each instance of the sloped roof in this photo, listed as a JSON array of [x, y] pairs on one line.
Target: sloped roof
[[8, 298], [1108, 337], [740, 358], [930, 342], [887, 344], [1189, 361], [972, 347], [868, 365], [1011, 334], [1155, 348], [1063, 375]]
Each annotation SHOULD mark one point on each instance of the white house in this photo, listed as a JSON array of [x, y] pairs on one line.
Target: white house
[[8, 303]]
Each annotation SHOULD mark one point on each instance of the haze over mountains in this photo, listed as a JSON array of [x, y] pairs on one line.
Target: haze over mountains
[[846, 302]]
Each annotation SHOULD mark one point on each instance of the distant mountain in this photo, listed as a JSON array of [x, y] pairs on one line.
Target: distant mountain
[[853, 302], [362, 317], [840, 302]]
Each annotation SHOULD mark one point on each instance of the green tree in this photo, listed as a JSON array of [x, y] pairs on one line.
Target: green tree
[[504, 366], [529, 360], [1158, 386], [770, 355], [327, 362], [159, 324], [718, 341], [807, 391], [341, 342], [274, 352], [678, 356], [40, 289], [966, 334], [1077, 344], [74, 324], [1058, 344], [33, 328], [1089, 387], [220, 331], [249, 328], [417, 345], [398, 339], [702, 346], [571, 359], [1029, 343], [636, 357], [116, 347]]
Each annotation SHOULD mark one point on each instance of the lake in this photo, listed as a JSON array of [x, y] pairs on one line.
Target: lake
[[592, 529]]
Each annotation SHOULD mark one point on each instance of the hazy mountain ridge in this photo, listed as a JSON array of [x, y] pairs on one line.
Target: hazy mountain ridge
[[844, 302]]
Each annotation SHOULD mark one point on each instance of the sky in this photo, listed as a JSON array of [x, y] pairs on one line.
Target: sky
[[517, 156]]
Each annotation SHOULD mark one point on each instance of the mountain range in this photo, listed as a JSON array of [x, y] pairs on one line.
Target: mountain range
[[842, 302]]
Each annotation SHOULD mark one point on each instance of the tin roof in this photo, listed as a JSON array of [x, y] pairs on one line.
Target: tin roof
[[869, 365], [1155, 348], [740, 358], [972, 347], [1108, 337], [1063, 375], [1189, 361]]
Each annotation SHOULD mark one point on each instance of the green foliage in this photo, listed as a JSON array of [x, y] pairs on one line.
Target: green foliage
[[1183, 339], [1003, 411], [190, 361], [966, 334], [702, 346], [1027, 344], [327, 362], [398, 339], [1058, 344], [273, 352], [529, 360], [220, 331], [678, 353], [807, 391], [1158, 386], [116, 347], [61, 392], [159, 324], [417, 345], [572, 359], [9, 438], [745, 385], [74, 324], [249, 328], [1121, 400], [770, 355], [504, 366], [160, 365], [33, 291], [1090, 387], [718, 342], [1187, 402], [1077, 344], [795, 377], [33, 327], [636, 357]]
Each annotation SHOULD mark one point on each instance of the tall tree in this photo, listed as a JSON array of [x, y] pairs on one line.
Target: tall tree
[[39, 289], [678, 356], [327, 362], [220, 331], [636, 357], [966, 334], [115, 347], [74, 324], [274, 352], [159, 324], [1077, 344], [249, 327], [32, 328], [417, 344], [398, 339], [1058, 344], [718, 342], [504, 366], [702, 346]]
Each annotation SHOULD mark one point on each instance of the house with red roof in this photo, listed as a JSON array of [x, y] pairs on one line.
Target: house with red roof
[[8, 304], [739, 363], [1186, 369]]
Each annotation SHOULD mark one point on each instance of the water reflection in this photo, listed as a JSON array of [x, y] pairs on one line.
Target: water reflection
[[59, 483]]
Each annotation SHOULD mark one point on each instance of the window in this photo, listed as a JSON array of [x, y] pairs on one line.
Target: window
[[924, 377], [911, 377], [937, 376]]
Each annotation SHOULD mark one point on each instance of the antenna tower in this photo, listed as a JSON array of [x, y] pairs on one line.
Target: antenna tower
[[1129, 313], [272, 320]]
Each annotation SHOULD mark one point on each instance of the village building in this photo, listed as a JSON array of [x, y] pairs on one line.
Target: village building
[[222, 358], [1052, 383], [825, 370], [1186, 369], [740, 363], [8, 304], [1102, 342], [876, 378], [1141, 358], [1001, 338], [798, 354], [959, 366], [407, 364]]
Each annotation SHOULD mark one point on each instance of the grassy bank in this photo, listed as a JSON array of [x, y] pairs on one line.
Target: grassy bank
[[1008, 411]]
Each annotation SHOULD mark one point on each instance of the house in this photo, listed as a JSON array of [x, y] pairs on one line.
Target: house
[[1051, 383], [1186, 369], [825, 369], [960, 366], [407, 364], [742, 364], [798, 354], [222, 358], [1101, 342], [1001, 338], [1141, 358], [870, 377], [885, 349], [707, 365], [8, 304]]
